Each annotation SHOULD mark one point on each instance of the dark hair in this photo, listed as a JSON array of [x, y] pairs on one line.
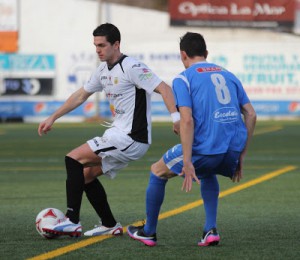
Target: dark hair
[[108, 30], [193, 44]]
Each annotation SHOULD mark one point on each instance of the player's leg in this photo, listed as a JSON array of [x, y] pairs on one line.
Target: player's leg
[[154, 198], [155, 193], [75, 162], [206, 166], [91, 173], [116, 151], [224, 164], [96, 195], [210, 194]]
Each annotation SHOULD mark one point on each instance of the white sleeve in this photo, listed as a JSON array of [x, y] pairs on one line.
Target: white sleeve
[[93, 84], [143, 77]]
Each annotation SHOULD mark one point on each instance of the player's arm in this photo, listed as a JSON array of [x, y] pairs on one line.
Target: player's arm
[[167, 94], [75, 100], [250, 122], [187, 137]]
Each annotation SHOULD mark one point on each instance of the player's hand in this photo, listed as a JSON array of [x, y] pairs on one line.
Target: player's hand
[[188, 171], [45, 126], [238, 175], [176, 127]]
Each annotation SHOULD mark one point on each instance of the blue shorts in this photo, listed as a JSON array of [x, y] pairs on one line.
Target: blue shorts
[[223, 164]]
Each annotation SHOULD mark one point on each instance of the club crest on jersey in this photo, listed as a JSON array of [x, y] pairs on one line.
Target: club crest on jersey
[[109, 81]]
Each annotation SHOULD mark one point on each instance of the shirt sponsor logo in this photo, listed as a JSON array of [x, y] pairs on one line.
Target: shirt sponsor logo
[[136, 65], [96, 142], [209, 69], [119, 111], [226, 115], [112, 95], [147, 74]]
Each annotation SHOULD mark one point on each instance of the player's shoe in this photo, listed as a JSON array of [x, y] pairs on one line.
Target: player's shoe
[[64, 227], [137, 233], [99, 230], [210, 238]]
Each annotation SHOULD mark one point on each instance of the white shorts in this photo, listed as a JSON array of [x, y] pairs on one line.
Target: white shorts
[[116, 149]]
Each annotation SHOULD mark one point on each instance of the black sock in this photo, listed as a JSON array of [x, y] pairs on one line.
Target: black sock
[[74, 187], [97, 197]]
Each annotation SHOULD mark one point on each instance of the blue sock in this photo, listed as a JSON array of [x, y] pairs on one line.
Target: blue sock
[[210, 194], [154, 198]]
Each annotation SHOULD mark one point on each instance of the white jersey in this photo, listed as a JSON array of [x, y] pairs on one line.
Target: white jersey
[[128, 86]]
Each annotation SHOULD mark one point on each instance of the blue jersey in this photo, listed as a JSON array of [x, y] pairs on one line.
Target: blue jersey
[[215, 96]]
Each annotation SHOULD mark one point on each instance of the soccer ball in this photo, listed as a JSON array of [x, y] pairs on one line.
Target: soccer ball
[[48, 216]]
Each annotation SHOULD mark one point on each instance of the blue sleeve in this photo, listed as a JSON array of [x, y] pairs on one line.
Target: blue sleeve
[[241, 93], [181, 92]]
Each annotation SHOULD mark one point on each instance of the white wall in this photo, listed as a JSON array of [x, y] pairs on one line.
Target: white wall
[[64, 28]]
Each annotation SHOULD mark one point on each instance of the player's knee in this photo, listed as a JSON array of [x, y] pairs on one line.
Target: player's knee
[[160, 169], [154, 169], [70, 161], [91, 173], [72, 155]]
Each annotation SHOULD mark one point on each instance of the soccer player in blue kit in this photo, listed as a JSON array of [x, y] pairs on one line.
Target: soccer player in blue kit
[[214, 138]]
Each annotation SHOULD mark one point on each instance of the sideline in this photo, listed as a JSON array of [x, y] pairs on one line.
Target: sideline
[[90, 241]]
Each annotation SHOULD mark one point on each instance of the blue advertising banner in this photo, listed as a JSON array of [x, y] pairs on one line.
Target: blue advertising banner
[[263, 108], [14, 109], [27, 75], [27, 63]]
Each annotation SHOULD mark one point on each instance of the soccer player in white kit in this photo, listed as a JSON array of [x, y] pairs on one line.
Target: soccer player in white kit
[[128, 85]]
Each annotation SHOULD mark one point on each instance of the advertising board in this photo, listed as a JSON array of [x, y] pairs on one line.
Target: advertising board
[[276, 14]]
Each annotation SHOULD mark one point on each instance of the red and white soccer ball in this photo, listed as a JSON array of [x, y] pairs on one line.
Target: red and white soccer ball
[[48, 216]]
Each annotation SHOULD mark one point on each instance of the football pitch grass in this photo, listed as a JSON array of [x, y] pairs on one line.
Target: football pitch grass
[[258, 218]]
